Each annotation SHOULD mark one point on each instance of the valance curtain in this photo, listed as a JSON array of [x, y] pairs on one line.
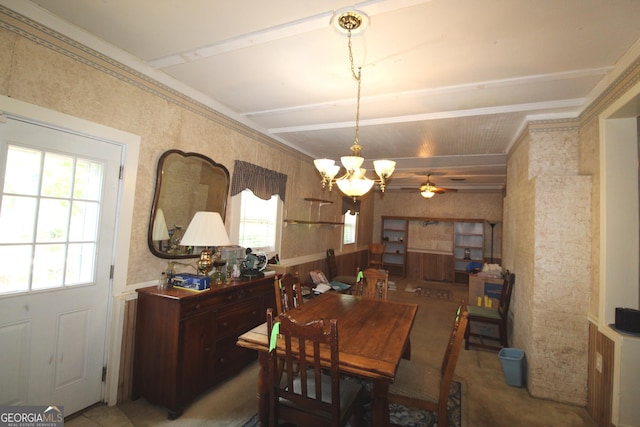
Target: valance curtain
[[263, 182], [349, 204]]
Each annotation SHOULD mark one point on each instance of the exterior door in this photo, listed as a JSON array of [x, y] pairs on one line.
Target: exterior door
[[57, 227]]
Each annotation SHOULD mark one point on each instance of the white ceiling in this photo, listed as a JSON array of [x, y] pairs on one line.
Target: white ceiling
[[447, 85]]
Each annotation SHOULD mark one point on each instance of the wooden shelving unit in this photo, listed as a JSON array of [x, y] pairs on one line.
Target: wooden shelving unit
[[318, 221], [450, 266], [468, 247], [394, 236]]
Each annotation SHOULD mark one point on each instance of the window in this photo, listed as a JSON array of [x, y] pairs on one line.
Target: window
[[255, 222], [48, 219], [349, 232]]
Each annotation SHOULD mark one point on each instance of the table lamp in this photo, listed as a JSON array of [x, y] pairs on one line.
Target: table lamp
[[206, 230]]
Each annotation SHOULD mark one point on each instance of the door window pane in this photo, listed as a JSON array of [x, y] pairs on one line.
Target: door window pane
[[48, 262], [57, 175], [17, 217], [48, 238], [88, 180], [22, 171], [53, 221], [80, 263], [84, 221]]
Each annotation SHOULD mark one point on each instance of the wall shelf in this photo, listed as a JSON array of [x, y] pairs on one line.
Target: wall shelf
[[321, 203], [305, 222]]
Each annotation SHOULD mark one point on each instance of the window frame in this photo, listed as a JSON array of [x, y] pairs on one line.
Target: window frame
[[355, 229]]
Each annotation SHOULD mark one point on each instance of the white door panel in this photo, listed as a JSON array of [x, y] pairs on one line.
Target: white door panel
[[52, 340], [14, 369]]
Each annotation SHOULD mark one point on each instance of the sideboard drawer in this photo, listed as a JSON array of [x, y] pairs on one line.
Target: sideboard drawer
[[192, 308], [238, 318]]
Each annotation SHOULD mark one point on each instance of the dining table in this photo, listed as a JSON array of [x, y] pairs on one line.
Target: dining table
[[372, 336]]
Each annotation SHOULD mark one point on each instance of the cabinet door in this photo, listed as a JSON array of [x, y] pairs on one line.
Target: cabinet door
[[438, 267], [230, 358], [196, 355], [233, 321]]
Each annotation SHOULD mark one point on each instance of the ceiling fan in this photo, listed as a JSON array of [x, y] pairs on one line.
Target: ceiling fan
[[429, 189]]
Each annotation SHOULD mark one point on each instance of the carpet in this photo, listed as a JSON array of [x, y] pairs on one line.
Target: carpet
[[410, 417], [435, 293]]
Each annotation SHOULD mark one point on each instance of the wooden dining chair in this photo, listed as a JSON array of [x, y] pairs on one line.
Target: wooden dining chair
[[373, 283], [426, 387], [488, 316], [332, 268], [376, 252], [306, 393], [288, 292]]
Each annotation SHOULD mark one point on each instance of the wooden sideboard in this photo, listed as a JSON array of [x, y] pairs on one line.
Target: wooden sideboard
[[185, 341]]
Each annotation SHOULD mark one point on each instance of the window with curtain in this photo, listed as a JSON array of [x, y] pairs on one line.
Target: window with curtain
[[256, 207], [258, 222]]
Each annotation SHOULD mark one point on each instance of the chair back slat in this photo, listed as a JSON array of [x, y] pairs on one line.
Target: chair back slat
[[505, 294], [305, 346], [376, 253], [332, 267], [373, 285], [288, 292]]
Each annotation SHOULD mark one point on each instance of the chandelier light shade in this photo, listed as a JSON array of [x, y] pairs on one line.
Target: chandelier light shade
[[427, 194], [354, 182], [206, 229]]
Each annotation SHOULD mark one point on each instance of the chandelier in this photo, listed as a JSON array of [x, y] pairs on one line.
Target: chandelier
[[353, 183]]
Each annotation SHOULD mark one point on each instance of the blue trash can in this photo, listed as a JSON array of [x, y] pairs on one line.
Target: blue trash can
[[513, 366]]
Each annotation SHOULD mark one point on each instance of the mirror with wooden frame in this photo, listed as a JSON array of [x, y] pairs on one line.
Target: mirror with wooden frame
[[185, 184]]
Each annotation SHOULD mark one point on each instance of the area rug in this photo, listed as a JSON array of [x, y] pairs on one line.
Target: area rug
[[435, 293], [410, 417]]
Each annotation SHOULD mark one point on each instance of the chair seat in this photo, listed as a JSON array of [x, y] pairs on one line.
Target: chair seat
[[417, 381], [339, 286], [349, 280], [350, 391], [483, 312]]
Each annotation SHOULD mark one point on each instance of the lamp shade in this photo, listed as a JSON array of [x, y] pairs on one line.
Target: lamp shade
[[356, 184], [160, 231], [384, 168], [352, 163], [206, 229], [323, 165]]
